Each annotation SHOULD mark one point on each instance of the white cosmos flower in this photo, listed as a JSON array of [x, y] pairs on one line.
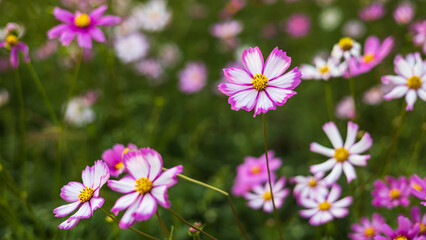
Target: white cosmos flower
[[346, 48], [152, 16], [131, 47], [323, 69]]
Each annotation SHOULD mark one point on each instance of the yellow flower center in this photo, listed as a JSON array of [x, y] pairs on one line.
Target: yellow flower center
[[341, 154], [143, 185], [312, 183], [11, 40], [86, 194], [400, 237], [414, 82], [417, 187], [324, 70], [119, 165], [368, 58], [369, 232], [260, 82], [346, 43], [267, 196], [422, 228], [255, 170], [394, 193], [126, 150], [82, 21], [324, 206]]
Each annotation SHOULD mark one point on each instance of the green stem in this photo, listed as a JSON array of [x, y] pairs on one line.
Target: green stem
[[329, 99], [22, 129], [163, 227], [277, 219], [189, 224], [418, 144], [353, 94]]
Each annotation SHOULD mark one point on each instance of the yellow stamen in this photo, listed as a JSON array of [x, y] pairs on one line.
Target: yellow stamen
[[417, 187], [82, 21], [126, 150], [414, 82], [324, 70], [369, 232], [86, 194], [394, 193], [368, 58], [400, 237], [422, 228], [11, 40], [346, 43], [324, 206], [312, 183], [255, 170], [119, 165], [143, 185], [267, 196], [341, 154], [260, 82]]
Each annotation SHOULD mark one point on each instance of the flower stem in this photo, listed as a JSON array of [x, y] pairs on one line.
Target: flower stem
[[329, 99], [163, 227], [131, 228], [22, 129], [418, 144], [352, 89], [277, 219], [187, 223]]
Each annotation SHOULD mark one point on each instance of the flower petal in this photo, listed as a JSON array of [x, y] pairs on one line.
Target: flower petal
[[317, 148], [339, 212], [69, 223], [230, 88], [237, 76], [349, 171], [334, 174], [160, 194], [392, 79], [14, 57], [101, 174], [402, 67], [276, 64], [146, 208], [264, 104], [308, 212], [84, 212], [97, 34], [323, 167], [289, 80], [84, 40], [358, 160], [124, 185], [245, 99], [333, 134], [108, 20], [88, 175], [253, 60], [124, 202], [343, 203], [334, 193], [57, 31], [96, 202], [63, 15], [66, 37], [98, 12], [71, 191], [127, 220], [255, 203], [363, 145], [351, 136], [168, 177], [279, 96], [155, 162], [410, 98], [397, 92], [136, 164], [64, 210]]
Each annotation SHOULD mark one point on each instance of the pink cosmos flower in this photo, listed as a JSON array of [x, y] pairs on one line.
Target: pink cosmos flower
[[403, 13], [309, 187], [298, 25], [366, 229], [114, 158], [405, 231], [344, 155], [253, 172], [260, 86], [144, 187], [84, 26], [418, 188], [151, 68], [86, 194], [392, 193], [417, 219], [193, 78], [46, 50], [226, 30], [11, 43], [345, 108], [372, 12], [374, 95], [323, 209], [420, 34], [323, 69], [410, 81], [261, 196]]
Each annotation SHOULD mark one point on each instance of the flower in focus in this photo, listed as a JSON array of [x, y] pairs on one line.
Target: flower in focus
[[410, 81], [323, 209], [152, 16], [144, 187], [354, 29], [11, 33], [345, 108], [392, 193], [417, 218], [114, 158], [261, 196], [404, 13], [260, 86], [366, 229], [193, 78], [344, 155], [79, 110], [323, 69], [151, 68], [372, 12], [226, 30], [420, 34], [405, 230], [82, 25], [309, 187], [418, 188], [131, 47], [346, 48], [86, 194], [298, 25]]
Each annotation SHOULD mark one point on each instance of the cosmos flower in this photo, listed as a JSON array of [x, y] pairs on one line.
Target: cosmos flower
[[193, 77], [330, 18], [151, 68], [169, 54], [418, 188], [226, 30], [298, 25], [260, 86], [346, 48], [79, 111], [261, 196], [374, 95], [309, 186], [354, 29], [417, 219], [366, 229], [12, 33], [344, 155], [85, 195], [131, 47], [323, 209], [144, 187], [404, 13], [323, 69], [410, 81], [82, 25], [392, 193], [4, 97], [345, 108], [405, 230], [420, 35], [46, 50], [372, 12], [114, 158], [86, 5], [152, 16]]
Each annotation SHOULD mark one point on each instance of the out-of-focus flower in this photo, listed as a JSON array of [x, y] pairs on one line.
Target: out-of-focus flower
[[192, 232], [344, 155], [298, 25], [372, 12], [231, 8], [12, 29], [169, 54], [330, 18], [126, 27], [374, 95], [404, 13], [262, 86], [121, 7], [323, 209], [114, 158], [86, 194], [132, 47], [345, 108], [11, 42], [144, 187], [420, 34], [79, 111], [151, 68], [253, 172], [366, 229], [418, 188], [346, 48], [405, 230], [323, 69], [269, 30], [417, 218], [392, 193], [309, 187], [84, 26], [4, 97], [84, 6], [226, 30], [410, 81], [197, 11], [152, 16], [354, 29], [193, 78], [261, 196], [46, 50]]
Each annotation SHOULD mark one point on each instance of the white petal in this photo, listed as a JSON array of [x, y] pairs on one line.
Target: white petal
[[349, 171], [397, 80], [168, 177], [338, 212], [237, 76], [317, 148], [64, 210], [124, 202], [268, 206], [344, 202], [127, 219], [253, 60], [358, 160], [276, 64], [69, 223], [363, 145], [333, 134], [155, 162], [323, 167], [410, 98], [88, 175], [146, 209], [160, 194], [351, 136], [308, 212], [101, 174], [422, 93], [136, 164], [84, 212], [244, 99], [397, 92], [96, 202], [334, 193], [264, 104], [279, 96], [256, 203], [334, 174], [71, 191], [289, 80], [124, 185]]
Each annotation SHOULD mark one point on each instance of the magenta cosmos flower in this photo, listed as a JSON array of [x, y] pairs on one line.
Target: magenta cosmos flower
[[410, 81], [392, 193], [84, 26], [262, 197], [372, 12], [366, 229], [11, 43], [85, 195], [418, 188], [309, 187], [404, 13], [114, 158], [144, 187], [344, 155], [420, 35], [417, 219], [405, 231], [298, 25], [260, 86], [323, 209]]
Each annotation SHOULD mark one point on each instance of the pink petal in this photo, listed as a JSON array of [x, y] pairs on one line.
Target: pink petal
[[168, 177], [57, 31], [333, 134], [69, 223], [245, 99], [63, 15], [349, 171], [371, 45], [289, 80], [276, 64], [127, 219], [253, 60], [84, 40], [84, 212], [124, 185], [66, 38], [397, 92], [98, 12], [237, 76], [160, 194], [363, 145], [230, 88], [108, 21], [96, 202], [146, 208], [136, 164], [351, 136], [264, 104], [97, 34], [317, 148], [71, 191], [279, 96], [124, 202], [14, 57], [24, 49], [155, 162], [2, 44], [64, 210]]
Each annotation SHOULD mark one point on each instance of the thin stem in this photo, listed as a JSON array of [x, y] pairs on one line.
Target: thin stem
[[131, 228], [277, 219], [418, 144], [187, 223], [163, 227], [22, 129], [329, 99], [43, 92], [353, 94]]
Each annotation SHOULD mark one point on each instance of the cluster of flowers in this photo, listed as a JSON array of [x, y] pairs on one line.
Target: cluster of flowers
[[144, 186]]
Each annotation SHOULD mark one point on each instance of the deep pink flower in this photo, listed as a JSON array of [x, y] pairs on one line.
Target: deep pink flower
[[193, 78], [260, 86], [114, 158], [298, 25], [11, 43], [420, 34], [261, 196], [144, 187], [366, 229], [418, 188], [404, 13], [405, 231], [372, 12], [86, 194], [83, 25], [392, 193], [417, 218]]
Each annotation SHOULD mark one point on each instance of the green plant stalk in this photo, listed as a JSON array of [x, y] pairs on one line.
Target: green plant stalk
[[163, 227], [418, 144], [23, 147], [329, 99], [352, 89], [277, 219], [189, 224]]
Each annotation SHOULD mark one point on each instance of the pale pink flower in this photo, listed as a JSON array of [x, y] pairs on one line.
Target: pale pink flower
[[420, 34], [11, 43], [345, 108], [309, 186], [193, 77], [261, 196], [151, 68], [298, 25], [404, 13], [374, 95], [372, 12], [354, 29], [226, 30], [366, 229], [46, 50]]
